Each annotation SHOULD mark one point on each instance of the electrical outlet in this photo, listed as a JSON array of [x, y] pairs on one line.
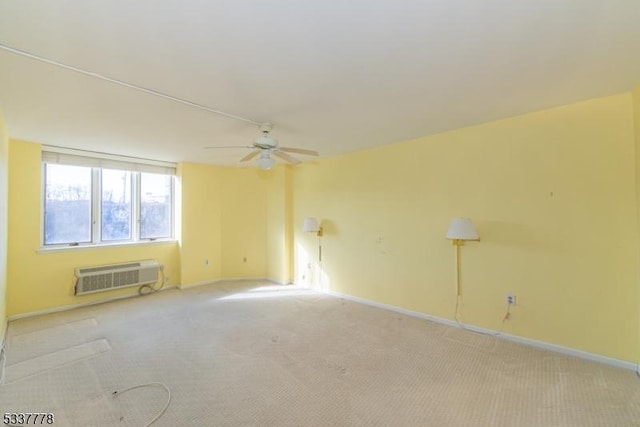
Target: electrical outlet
[[510, 299], [206, 261]]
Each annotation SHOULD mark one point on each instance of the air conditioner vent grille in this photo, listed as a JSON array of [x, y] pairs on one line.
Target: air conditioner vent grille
[[103, 278], [97, 282], [123, 278]]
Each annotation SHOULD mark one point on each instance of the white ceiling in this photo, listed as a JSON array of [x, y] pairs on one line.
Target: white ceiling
[[335, 76]]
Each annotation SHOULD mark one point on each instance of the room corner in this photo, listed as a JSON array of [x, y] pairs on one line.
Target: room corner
[[4, 150]]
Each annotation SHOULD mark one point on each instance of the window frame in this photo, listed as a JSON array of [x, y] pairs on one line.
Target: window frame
[[96, 206], [172, 210], [43, 222], [97, 174]]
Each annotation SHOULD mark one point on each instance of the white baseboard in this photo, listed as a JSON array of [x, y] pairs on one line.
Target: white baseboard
[[131, 295], [3, 354], [196, 284], [514, 338], [278, 282], [233, 279], [245, 279], [78, 305]]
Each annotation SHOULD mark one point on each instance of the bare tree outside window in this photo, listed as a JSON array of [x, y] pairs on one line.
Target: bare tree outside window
[[155, 206], [116, 205], [67, 202], [93, 205]]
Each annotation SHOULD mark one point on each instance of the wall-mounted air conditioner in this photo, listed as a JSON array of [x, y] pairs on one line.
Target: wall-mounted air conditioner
[[105, 277]]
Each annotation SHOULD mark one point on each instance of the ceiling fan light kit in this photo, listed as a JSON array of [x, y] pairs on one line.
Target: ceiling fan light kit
[[264, 161]]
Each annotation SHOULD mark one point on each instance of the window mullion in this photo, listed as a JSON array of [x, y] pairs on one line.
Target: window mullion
[[135, 206], [43, 199], [173, 207], [96, 202]]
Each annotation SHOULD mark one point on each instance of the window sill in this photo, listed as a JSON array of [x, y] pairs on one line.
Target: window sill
[[49, 249]]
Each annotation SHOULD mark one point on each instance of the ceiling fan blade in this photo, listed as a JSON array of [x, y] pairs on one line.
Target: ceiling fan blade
[[227, 146], [286, 157], [299, 151], [250, 156]]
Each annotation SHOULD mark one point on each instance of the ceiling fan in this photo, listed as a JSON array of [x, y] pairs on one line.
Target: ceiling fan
[[265, 146]]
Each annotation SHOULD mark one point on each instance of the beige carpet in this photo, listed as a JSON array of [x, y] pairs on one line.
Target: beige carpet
[[245, 354]]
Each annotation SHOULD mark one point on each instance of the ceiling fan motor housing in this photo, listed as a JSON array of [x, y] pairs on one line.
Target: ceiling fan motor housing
[[265, 141]]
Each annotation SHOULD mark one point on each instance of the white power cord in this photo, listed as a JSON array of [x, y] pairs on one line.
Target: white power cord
[[119, 392], [149, 289], [506, 317]]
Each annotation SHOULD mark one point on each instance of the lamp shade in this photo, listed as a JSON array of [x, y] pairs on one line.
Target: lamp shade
[[310, 224], [462, 229]]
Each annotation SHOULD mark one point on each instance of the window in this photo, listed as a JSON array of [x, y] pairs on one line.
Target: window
[[89, 201], [116, 205], [67, 204]]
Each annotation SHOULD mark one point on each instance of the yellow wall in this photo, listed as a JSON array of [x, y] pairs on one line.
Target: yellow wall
[[41, 280], [635, 96], [201, 240], [244, 234], [235, 218], [4, 174], [279, 225], [552, 194]]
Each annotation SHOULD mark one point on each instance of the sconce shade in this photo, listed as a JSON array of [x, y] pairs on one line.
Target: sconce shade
[[462, 229], [310, 225]]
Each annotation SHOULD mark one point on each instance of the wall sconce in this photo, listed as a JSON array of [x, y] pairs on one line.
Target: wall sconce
[[311, 225], [460, 230]]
